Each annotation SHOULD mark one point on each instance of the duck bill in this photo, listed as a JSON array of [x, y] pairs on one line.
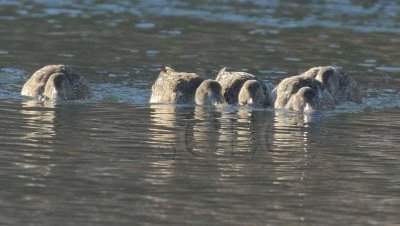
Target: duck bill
[[309, 108], [56, 95], [215, 101]]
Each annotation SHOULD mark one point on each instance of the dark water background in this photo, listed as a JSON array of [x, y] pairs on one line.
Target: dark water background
[[116, 160]]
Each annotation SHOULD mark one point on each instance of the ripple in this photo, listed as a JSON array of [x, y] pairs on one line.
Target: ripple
[[152, 53], [370, 61], [347, 14], [334, 46], [67, 55], [377, 100], [189, 56], [270, 48], [145, 26], [388, 68], [109, 92], [68, 12], [366, 65], [172, 33], [10, 78], [294, 59], [258, 32]]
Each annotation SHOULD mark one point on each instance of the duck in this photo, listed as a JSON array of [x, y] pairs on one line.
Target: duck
[[184, 88], [209, 93], [243, 88], [305, 99], [251, 93], [339, 84], [56, 82], [302, 93]]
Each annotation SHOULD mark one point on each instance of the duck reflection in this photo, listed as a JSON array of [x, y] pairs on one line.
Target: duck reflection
[[170, 134], [170, 129], [161, 172], [292, 136], [209, 130], [244, 130], [38, 121], [291, 129], [40, 118], [206, 130], [48, 127]]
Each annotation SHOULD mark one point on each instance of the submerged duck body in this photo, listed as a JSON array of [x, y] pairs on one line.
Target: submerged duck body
[[243, 88], [57, 82], [183, 88], [301, 93], [209, 93], [252, 92], [338, 83], [304, 100]]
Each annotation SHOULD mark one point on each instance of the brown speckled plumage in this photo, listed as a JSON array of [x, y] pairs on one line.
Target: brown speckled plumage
[[288, 89], [339, 84], [232, 83], [176, 87], [209, 93], [252, 92], [330, 86], [57, 82]]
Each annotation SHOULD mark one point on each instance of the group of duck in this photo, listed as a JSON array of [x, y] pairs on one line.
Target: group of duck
[[319, 88]]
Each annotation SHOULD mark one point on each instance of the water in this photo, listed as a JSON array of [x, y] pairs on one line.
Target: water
[[116, 160]]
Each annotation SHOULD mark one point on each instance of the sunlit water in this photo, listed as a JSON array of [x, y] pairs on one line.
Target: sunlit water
[[116, 160]]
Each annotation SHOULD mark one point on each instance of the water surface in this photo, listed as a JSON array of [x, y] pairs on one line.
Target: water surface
[[116, 160]]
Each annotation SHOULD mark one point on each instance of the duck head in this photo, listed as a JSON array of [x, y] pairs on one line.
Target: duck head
[[58, 88], [330, 78], [209, 93], [306, 99], [252, 93], [54, 82]]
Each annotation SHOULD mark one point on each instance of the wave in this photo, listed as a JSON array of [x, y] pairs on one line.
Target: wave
[[372, 16]]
